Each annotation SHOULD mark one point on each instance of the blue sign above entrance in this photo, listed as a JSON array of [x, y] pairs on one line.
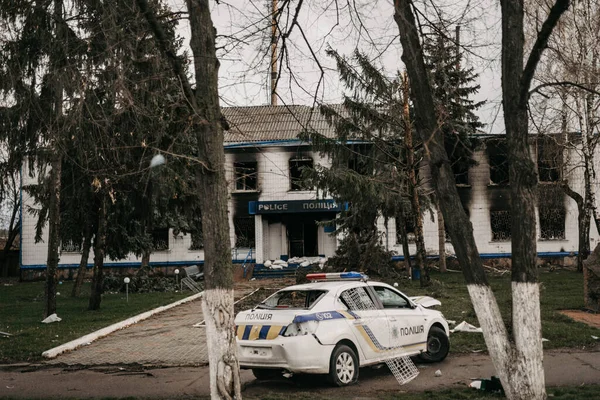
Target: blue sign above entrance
[[292, 206]]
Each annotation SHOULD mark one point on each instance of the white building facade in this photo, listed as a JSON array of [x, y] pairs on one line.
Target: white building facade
[[271, 216]]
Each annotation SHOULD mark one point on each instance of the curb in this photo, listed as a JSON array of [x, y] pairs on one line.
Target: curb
[[87, 339]]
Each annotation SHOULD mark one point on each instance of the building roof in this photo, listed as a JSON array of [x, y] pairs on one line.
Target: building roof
[[273, 123]]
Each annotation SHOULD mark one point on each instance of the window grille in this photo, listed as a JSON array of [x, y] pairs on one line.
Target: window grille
[[245, 176], [501, 223], [244, 231]]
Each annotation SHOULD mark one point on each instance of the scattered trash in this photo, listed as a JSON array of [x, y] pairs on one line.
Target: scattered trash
[[438, 373], [10, 387], [492, 385], [58, 293], [595, 337], [157, 160], [545, 340], [466, 327], [395, 284], [52, 318], [451, 322], [287, 375], [6, 334]]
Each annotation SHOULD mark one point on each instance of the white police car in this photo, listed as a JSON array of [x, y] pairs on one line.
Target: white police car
[[316, 328]]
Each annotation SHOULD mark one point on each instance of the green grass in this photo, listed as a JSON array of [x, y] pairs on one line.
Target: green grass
[[560, 290], [22, 307]]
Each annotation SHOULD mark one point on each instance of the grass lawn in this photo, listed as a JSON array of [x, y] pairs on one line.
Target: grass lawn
[[22, 307], [560, 290]]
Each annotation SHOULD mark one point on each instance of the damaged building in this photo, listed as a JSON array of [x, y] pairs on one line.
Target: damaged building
[[274, 216]]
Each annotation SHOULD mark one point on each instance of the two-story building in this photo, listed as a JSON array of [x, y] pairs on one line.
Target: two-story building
[[272, 216]]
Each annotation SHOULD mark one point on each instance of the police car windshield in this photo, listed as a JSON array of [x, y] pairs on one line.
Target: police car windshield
[[293, 299]]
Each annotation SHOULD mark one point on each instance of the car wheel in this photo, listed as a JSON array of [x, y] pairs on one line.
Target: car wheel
[[438, 345], [343, 366], [263, 374]]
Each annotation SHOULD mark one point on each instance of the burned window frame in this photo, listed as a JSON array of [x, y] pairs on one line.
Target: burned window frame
[[245, 176], [461, 173], [551, 200], [295, 171], [497, 153], [497, 236], [160, 239], [244, 238]]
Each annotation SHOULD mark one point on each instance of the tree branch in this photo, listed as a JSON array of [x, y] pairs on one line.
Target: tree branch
[[538, 48], [562, 83]]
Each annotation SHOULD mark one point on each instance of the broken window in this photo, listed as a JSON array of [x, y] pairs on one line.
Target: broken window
[[552, 212], [500, 222], [497, 153], [71, 246], [197, 241], [245, 175], [160, 239], [244, 231], [461, 173], [549, 159], [297, 165]]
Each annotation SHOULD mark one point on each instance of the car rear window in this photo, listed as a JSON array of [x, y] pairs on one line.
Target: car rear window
[[293, 299]]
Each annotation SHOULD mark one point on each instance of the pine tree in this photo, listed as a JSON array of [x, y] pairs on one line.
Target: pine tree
[[369, 163], [452, 85]]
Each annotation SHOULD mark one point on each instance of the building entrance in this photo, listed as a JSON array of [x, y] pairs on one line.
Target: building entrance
[[302, 235]]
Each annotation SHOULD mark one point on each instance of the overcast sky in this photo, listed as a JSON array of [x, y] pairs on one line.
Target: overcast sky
[[244, 26]]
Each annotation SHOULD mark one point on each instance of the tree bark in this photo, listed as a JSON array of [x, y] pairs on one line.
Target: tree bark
[[518, 363], [99, 251], [413, 187], [583, 219], [85, 255], [217, 302], [405, 248], [56, 61], [441, 239]]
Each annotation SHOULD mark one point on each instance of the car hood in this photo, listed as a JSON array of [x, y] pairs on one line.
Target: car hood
[[426, 301]]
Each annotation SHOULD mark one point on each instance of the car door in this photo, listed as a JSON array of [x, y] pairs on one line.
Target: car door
[[406, 321], [368, 321]]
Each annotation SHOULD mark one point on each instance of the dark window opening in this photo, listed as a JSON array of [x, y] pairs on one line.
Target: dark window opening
[[71, 246], [302, 236], [297, 165], [549, 159], [552, 223], [497, 152], [461, 173], [359, 159], [160, 239], [197, 241], [244, 231], [501, 223], [245, 175]]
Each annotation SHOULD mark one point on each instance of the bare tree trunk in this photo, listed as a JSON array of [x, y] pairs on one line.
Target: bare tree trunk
[[518, 362], [405, 248], [85, 255], [56, 60], [13, 231], [217, 302], [99, 251], [413, 187], [441, 239], [584, 233]]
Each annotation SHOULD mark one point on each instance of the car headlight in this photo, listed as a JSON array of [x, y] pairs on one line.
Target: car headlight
[[301, 328]]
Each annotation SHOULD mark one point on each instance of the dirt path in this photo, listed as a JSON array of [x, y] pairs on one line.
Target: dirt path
[[562, 368]]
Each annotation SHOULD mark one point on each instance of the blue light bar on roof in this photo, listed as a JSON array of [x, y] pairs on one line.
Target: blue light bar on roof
[[337, 276]]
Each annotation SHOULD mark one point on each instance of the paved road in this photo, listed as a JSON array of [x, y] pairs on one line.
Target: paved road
[[562, 369]]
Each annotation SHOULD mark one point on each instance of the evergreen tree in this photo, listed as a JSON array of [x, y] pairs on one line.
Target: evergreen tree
[[452, 85], [369, 168]]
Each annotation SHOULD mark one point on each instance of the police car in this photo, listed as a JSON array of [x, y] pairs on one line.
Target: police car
[[316, 328]]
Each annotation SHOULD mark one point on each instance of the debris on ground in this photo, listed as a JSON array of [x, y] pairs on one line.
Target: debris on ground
[[492, 385], [6, 334], [52, 318], [438, 373], [466, 327]]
